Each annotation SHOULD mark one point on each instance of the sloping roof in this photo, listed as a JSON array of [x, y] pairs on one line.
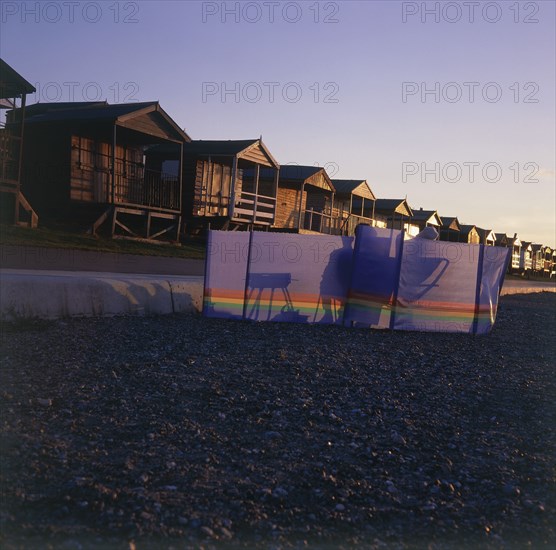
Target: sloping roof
[[41, 108], [219, 147], [315, 176], [421, 215], [449, 220], [249, 149], [501, 238], [122, 114], [466, 229], [513, 241], [98, 111], [484, 233], [392, 205], [358, 188], [297, 172], [12, 84]]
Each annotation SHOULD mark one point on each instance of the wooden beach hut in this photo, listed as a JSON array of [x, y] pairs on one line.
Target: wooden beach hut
[[87, 165], [515, 245], [232, 181], [426, 218], [305, 201], [548, 264], [229, 184], [449, 229], [537, 261], [14, 206], [526, 257], [469, 234], [354, 204], [486, 236], [395, 214], [501, 239]]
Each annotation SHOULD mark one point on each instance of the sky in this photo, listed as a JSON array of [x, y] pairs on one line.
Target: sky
[[450, 104]]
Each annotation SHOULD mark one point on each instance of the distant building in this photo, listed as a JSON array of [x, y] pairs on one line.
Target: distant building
[[486, 236], [396, 214], [354, 204], [426, 218], [449, 229], [469, 234], [526, 257], [537, 259]]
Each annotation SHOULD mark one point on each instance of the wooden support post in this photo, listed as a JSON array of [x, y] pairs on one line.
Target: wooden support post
[[16, 205], [349, 216], [114, 216], [114, 167], [180, 179], [210, 183], [100, 220], [331, 214], [178, 228], [20, 158], [148, 224], [300, 206], [23, 202], [162, 231], [257, 170], [275, 193], [232, 204]]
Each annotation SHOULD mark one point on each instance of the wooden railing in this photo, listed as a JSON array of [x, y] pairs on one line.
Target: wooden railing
[[149, 188], [352, 221], [314, 220], [210, 204], [256, 209]]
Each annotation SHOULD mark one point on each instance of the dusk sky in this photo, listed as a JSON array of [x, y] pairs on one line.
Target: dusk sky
[[449, 103]]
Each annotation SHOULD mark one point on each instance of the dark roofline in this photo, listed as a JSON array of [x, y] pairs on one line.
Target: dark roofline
[[423, 215], [117, 113], [11, 81], [349, 186], [304, 171], [392, 204], [467, 228], [229, 148]]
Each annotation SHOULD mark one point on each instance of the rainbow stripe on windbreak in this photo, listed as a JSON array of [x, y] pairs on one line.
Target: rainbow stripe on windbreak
[[424, 310], [303, 303], [220, 299]]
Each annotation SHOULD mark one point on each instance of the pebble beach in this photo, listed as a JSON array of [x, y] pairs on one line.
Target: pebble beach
[[185, 432]]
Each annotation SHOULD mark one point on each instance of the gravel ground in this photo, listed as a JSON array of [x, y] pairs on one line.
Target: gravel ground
[[185, 432]]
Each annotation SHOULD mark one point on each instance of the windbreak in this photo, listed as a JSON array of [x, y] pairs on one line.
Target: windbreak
[[377, 279]]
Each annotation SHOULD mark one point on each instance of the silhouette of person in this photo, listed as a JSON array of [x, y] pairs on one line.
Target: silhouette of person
[[335, 281]]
